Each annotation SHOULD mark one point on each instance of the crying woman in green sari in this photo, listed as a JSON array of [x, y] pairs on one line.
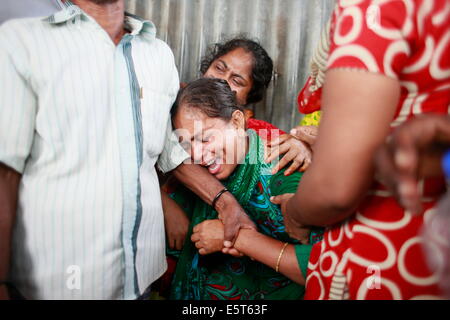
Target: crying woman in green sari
[[266, 263]]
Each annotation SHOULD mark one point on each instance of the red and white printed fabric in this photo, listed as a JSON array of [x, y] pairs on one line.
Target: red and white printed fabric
[[378, 254]]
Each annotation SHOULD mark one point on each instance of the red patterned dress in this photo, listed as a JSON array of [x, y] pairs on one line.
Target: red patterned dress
[[377, 253]]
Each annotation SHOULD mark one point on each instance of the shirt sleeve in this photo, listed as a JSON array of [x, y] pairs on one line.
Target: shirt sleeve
[[372, 37], [173, 153], [303, 251], [18, 103]]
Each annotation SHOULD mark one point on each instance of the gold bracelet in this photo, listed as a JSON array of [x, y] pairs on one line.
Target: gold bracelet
[[279, 257]]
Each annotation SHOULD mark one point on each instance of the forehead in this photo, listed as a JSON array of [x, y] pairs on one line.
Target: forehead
[[238, 59], [195, 121]]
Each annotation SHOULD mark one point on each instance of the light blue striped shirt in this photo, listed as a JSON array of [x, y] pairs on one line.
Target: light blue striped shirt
[[85, 122]]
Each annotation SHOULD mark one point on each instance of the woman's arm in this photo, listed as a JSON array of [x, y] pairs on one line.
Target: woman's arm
[[208, 238], [358, 108], [175, 221], [267, 250]]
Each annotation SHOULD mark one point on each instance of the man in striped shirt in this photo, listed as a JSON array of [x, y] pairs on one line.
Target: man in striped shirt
[[85, 97]]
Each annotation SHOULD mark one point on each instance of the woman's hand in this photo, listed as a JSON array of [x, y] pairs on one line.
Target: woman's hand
[[414, 151], [175, 221], [295, 230], [307, 134], [208, 236], [294, 151]]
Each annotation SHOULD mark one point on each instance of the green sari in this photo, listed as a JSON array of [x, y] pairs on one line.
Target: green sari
[[223, 277]]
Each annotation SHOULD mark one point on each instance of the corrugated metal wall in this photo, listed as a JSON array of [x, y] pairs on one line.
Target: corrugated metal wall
[[287, 29]]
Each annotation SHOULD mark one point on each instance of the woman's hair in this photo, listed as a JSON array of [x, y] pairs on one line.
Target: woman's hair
[[262, 68], [213, 97]]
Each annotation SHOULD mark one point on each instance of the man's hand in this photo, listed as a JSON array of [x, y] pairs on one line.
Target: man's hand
[[307, 134], [203, 184], [208, 236], [413, 152], [234, 218], [295, 230], [176, 222], [294, 151]]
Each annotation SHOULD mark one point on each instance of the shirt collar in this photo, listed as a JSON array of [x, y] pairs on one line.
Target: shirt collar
[[138, 26], [68, 12], [134, 24]]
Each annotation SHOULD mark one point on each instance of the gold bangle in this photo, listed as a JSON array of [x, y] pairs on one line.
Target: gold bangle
[[279, 257]]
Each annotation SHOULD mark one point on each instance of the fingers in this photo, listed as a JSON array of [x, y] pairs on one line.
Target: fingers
[[300, 162], [195, 237], [277, 199], [196, 228], [179, 243], [176, 241], [275, 152], [202, 248], [171, 243], [305, 165], [403, 187], [198, 244], [287, 158], [401, 160], [292, 168], [235, 253], [306, 134], [294, 151], [404, 152], [230, 234], [282, 200], [278, 140]]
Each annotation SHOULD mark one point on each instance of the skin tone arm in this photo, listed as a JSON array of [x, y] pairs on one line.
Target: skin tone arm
[[414, 151], [358, 109], [175, 221], [202, 183], [208, 238], [9, 186]]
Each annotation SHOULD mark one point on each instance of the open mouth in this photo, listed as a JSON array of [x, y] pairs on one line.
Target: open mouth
[[213, 167]]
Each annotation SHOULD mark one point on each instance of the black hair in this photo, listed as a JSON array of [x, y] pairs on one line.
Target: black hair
[[213, 97], [262, 64]]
